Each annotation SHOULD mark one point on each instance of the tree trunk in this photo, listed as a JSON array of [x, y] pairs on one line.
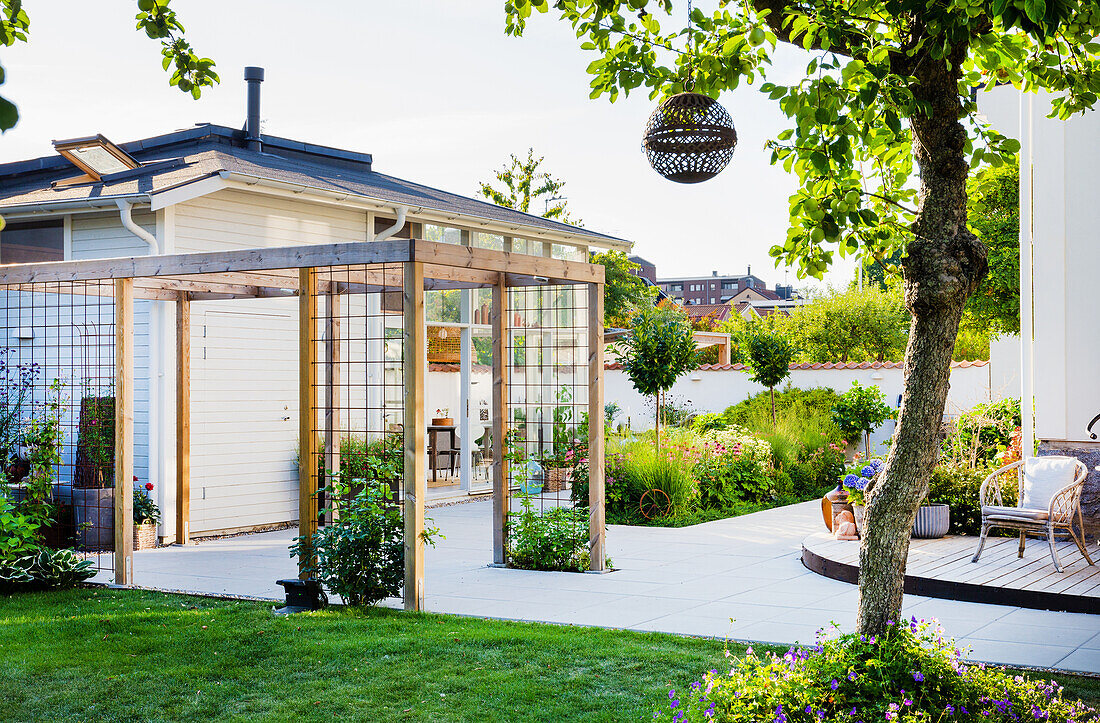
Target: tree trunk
[[775, 423], [944, 264], [657, 438], [867, 445]]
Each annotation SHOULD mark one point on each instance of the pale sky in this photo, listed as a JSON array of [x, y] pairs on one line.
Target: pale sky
[[434, 89]]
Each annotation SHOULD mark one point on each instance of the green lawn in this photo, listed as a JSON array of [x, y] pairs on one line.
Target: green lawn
[[123, 655], [96, 654]]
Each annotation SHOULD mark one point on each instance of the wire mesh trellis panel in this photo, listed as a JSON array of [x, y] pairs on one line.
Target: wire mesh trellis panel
[[57, 411], [547, 354], [359, 384]]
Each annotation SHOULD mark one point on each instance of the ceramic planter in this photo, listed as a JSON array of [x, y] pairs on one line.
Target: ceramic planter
[[858, 511], [933, 521]]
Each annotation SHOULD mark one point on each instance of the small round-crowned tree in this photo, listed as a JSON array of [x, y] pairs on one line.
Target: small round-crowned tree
[[860, 411], [659, 350], [770, 356]]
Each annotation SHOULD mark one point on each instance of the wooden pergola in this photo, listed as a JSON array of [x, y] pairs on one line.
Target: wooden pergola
[[410, 267]]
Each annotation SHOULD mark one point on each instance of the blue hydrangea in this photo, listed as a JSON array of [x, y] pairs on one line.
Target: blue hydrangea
[[876, 463], [863, 482], [851, 480], [868, 471]]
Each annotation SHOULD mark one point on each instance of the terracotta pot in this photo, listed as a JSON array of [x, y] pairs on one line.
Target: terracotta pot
[[832, 497], [443, 421]]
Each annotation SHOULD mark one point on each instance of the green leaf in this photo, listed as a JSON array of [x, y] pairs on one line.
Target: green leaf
[[9, 114]]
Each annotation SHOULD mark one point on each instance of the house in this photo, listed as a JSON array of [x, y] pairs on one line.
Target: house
[[722, 289], [217, 188]]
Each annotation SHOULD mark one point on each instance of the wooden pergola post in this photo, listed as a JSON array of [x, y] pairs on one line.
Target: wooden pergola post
[[307, 413], [333, 401], [124, 432], [183, 418], [499, 319], [415, 479], [597, 551]]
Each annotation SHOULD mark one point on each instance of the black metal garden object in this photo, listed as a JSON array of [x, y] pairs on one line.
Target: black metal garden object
[[301, 596], [689, 138]]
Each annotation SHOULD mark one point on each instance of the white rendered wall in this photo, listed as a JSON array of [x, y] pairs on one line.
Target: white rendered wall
[[1004, 367], [714, 391]]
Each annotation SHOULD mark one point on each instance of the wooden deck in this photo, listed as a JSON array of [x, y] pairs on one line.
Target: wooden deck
[[942, 568]]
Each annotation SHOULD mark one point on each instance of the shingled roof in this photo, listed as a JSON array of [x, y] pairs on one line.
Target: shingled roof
[[206, 151]]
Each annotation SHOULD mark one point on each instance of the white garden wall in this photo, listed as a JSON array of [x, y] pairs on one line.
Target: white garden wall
[[713, 388]]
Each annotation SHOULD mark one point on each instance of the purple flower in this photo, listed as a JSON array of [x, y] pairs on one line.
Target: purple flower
[[834, 685], [918, 676]]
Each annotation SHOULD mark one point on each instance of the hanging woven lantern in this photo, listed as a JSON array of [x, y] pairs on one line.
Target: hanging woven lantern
[[689, 138]]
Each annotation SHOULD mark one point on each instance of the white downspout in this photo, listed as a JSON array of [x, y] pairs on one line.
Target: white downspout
[[125, 209], [157, 330], [400, 224]]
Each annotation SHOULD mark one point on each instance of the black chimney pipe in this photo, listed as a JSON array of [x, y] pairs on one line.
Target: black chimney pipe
[[253, 76]]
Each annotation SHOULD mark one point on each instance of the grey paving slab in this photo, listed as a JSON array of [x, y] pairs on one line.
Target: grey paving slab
[[688, 581], [1084, 660]]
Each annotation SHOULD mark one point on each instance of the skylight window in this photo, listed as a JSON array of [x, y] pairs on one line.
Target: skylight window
[[96, 156]]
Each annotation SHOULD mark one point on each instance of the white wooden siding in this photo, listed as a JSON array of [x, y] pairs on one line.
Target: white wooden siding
[[243, 453], [234, 219], [102, 236], [244, 413]]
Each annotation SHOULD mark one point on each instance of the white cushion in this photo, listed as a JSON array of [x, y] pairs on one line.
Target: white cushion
[[1015, 513], [1043, 477]]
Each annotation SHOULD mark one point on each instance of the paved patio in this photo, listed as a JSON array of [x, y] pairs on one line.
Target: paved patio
[[689, 581]]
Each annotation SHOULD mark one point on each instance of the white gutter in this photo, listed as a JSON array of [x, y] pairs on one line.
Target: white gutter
[[397, 226], [80, 204], [125, 209]]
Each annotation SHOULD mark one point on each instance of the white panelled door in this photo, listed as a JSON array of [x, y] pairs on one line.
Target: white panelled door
[[244, 413]]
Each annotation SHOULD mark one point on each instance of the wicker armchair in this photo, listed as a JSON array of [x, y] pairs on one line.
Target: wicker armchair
[[1049, 500]]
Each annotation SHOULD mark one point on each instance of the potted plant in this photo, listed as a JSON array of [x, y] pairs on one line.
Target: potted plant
[[855, 481], [94, 474], [443, 418], [146, 518]]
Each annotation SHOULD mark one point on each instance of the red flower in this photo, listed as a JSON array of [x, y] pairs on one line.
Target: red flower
[[135, 478], [149, 486]]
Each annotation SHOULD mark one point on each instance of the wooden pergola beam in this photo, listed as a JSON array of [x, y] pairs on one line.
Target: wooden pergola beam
[[597, 550], [307, 417], [415, 475], [499, 320], [267, 260], [124, 432], [183, 420]]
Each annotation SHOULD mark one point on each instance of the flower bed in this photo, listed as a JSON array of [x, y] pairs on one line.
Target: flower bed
[[696, 477], [911, 674]]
